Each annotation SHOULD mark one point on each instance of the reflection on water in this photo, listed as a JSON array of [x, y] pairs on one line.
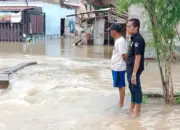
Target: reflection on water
[[56, 47], [63, 93]]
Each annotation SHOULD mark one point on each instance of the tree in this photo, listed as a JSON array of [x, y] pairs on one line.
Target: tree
[[164, 16]]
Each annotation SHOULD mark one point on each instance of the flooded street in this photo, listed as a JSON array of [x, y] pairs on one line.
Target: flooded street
[[71, 89]]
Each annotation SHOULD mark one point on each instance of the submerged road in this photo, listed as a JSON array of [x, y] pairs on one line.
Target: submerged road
[[77, 94]]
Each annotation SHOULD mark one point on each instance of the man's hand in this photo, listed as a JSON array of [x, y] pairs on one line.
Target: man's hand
[[136, 66], [133, 79]]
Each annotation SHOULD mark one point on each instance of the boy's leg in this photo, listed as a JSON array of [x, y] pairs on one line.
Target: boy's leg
[[115, 76], [122, 95], [121, 83]]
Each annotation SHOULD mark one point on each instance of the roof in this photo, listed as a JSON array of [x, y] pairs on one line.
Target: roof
[[122, 15], [71, 4], [68, 5], [94, 11], [14, 8]]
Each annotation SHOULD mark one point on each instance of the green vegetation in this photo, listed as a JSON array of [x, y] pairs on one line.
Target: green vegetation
[[144, 101], [163, 18]]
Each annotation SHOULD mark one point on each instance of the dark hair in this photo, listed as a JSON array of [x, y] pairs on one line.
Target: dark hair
[[116, 27], [136, 23]]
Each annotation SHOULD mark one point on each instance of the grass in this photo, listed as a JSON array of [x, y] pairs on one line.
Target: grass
[[144, 99], [177, 98]]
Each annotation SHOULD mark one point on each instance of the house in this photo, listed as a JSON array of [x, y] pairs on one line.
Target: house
[[93, 22], [80, 6], [134, 11], [44, 18]]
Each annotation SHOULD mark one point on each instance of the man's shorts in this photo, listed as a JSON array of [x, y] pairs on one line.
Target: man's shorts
[[136, 92], [118, 78]]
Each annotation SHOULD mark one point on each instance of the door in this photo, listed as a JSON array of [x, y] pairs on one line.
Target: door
[[62, 26]]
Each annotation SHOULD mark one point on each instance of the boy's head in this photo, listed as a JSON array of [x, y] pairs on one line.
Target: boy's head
[[115, 30], [133, 26]]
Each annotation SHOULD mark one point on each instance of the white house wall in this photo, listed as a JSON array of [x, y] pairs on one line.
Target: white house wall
[[54, 13]]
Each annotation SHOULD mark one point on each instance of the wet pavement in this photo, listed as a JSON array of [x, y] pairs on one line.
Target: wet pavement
[[71, 89]]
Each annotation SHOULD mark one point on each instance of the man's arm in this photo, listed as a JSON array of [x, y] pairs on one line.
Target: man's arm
[[136, 64], [138, 46]]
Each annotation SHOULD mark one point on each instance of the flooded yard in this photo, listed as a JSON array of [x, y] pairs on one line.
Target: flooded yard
[[71, 89]]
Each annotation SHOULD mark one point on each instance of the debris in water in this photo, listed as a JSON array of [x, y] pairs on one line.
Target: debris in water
[[4, 77]]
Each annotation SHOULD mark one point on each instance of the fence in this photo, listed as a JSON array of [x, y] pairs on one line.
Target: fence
[[37, 20], [10, 31], [36, 38], [32, 23]]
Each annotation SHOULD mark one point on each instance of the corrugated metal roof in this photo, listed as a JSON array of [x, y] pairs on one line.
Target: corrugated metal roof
[[14, 8], [71, 4]]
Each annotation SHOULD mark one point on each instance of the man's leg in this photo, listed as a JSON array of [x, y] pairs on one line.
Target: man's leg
[[138, 110], [138, 96], [131, 109], [132, 105]]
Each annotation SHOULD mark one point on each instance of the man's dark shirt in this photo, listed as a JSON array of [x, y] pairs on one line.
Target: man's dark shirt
[[137, 47]]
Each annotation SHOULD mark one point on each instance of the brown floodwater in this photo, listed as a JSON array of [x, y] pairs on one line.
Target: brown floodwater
[[71, 89], [55, 47]]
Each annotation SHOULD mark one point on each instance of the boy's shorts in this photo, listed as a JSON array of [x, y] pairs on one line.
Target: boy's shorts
[[136, 92], [118, 78]]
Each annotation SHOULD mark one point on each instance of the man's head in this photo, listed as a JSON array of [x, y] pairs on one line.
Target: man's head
[[133, 26], [115, 30]]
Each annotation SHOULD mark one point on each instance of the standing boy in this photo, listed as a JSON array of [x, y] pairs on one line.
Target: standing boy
[[135, 65], [118, 59]]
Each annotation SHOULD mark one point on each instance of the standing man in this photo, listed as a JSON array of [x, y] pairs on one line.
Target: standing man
[[135, 65], [118, 64]]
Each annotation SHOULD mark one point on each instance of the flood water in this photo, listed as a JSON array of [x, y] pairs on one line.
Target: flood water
[[71, 89], [56, 48]]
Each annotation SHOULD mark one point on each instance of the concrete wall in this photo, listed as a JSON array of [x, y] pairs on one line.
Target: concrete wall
[[99, 32], [139, 12]]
